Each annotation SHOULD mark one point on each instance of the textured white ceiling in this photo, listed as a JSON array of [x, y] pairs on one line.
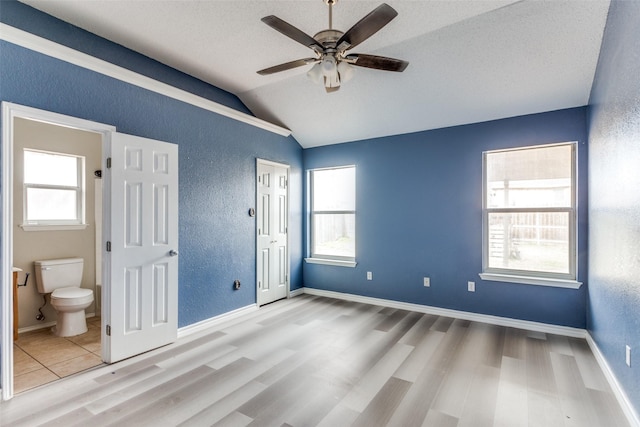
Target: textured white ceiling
[[470, 60]]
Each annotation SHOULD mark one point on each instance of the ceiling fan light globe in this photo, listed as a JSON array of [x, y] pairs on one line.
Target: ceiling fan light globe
[[329, 67], [315, 74], [346, 71]]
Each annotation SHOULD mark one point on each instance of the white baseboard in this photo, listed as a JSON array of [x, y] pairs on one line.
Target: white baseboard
[[621, 396], [213, 321], [296, 292], [464, 315]]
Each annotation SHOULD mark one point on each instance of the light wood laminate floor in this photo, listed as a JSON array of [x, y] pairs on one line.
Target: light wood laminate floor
[[313, 361]]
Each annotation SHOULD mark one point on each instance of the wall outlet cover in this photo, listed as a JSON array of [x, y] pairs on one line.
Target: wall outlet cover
[[427, 282], [369, 275], [471, 286]]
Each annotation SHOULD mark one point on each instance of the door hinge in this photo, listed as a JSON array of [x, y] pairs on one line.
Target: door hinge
[[259, 178], [108, 246], [259, 284], [108, 330], [108, 162]]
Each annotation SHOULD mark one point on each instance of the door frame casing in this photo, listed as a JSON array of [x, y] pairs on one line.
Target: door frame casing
[[10, 111], [259, 162]]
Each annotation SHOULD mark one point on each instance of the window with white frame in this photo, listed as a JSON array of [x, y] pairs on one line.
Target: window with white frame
[[333, 213], [529, 213], [53, 189]]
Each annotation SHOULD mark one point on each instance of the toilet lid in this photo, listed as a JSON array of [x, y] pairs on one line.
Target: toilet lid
[[71, 293]]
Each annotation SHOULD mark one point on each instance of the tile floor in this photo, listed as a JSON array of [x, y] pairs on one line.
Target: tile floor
[[40, 357]]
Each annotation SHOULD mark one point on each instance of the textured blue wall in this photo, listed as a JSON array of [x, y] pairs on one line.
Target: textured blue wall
[[419, 213], [217, 169], [614, 184]]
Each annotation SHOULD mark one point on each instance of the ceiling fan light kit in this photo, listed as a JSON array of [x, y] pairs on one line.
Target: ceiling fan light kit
[[332, 65]]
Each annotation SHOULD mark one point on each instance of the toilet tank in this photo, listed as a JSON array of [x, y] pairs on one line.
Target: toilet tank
[[58, 273]]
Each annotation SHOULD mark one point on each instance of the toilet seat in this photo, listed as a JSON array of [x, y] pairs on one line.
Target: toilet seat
[[71, 296]]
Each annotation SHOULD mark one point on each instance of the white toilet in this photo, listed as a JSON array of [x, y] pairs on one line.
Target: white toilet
[[62, 278]]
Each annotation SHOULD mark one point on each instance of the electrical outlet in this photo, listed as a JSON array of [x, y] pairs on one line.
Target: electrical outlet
[[369, 275], [628, 356], [471, 286], [427, 282]]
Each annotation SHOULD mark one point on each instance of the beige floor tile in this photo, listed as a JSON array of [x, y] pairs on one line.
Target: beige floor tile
[[90, 340], [75, 365], [94, 322], [56, 352], [35, 351], [33, 379], [35, 337], [23, 363]]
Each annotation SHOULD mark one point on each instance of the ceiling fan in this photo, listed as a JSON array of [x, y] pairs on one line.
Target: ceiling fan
[[333, 64]]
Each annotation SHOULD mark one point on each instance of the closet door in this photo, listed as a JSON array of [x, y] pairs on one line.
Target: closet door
[[272, 215]]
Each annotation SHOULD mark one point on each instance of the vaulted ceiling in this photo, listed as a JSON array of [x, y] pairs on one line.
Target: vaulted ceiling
[[470, 60]]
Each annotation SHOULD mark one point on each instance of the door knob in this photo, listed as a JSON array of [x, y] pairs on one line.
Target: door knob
[[173, 252]]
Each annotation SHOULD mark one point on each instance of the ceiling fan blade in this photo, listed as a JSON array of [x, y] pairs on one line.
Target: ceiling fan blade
[[292, 32], [332, 89], [287, 66], [377, 62], [366, 27]]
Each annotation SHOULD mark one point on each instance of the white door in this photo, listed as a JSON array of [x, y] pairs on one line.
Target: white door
[[142, 264], [272, 216]]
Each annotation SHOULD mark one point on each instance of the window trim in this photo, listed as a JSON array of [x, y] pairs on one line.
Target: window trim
[[563, 280], [334, 260], [52, 225]]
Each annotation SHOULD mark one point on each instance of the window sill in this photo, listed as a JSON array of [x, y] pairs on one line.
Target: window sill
[[334, 262], [526, 280], [28, 227]]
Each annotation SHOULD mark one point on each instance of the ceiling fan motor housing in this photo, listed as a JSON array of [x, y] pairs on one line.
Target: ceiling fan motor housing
[[328, 38]]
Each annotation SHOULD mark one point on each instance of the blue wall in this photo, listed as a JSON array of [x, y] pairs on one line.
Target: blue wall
[[613, 317], [419, 213], [217, 160]]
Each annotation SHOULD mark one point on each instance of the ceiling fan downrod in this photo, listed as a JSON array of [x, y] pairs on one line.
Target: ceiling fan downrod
[[330, 3]]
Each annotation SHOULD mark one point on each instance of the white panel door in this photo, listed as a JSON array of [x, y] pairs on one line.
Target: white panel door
[[143, 261], [272, 222]]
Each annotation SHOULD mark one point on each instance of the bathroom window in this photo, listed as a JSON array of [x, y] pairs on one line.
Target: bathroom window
[[53, 190], [333, 216]]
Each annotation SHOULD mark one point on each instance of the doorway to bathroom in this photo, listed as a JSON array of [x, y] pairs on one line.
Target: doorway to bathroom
[[57, 205], [139, 245]]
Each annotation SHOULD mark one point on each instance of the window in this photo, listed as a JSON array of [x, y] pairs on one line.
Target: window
[[53, 189], [333, 215], [529, 215]]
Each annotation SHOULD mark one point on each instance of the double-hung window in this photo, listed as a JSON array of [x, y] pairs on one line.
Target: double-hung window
[[529, 215], [53, 189], [333, 215]]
